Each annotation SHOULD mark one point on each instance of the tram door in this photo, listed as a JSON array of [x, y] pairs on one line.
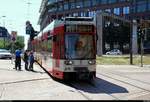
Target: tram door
[[58, 52]]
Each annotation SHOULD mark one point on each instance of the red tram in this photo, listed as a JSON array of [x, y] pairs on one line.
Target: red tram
[[67, 48]]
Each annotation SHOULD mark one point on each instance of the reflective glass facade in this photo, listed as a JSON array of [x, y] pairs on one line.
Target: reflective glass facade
[[60, 8]]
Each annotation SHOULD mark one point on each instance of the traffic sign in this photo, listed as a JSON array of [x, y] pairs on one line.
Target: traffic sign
[[13, 35]]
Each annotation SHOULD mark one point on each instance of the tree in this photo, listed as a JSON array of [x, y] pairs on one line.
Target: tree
[[18, 44], [6, 44], [116, 34], [109, 34]]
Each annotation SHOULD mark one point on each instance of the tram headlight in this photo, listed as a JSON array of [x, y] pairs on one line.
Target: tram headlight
[[68, 62], [91, 62]]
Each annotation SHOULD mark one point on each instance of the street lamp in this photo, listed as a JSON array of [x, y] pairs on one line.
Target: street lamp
[[0, 21], [4, 27], [4, 20]]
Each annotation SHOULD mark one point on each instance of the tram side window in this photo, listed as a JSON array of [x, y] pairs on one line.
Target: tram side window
[[49, 45]]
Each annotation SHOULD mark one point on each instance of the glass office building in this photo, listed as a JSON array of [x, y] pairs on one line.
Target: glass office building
[[57, 9]]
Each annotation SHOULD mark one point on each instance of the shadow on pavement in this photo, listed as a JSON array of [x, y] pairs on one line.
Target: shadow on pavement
[[98, 86]]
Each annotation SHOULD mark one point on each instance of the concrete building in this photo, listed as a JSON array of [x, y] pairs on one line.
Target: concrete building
[[4, 33], [4, 36]]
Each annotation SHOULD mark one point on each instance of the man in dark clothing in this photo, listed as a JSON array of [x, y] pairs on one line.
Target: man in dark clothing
[[31, 61], [26, 60], [18, 59]]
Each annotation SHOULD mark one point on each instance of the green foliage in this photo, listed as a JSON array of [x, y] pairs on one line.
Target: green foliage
[[116, 34], [18, 45], [4, 45], [8, 43]]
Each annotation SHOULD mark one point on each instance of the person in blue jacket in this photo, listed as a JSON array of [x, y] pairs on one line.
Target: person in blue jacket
[[18, 59]]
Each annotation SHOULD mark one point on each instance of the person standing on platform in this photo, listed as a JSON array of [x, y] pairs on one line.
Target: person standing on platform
[[18, 59], [26, 59], [31, 61]]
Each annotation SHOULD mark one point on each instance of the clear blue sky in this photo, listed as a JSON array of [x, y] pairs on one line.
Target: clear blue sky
[[17, 12]]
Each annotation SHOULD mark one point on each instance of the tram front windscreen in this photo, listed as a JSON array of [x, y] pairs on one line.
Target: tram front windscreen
[[79, 46]]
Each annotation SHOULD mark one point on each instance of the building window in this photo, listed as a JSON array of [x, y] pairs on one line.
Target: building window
[[60, 7], [126, 10], [108, 10], [117, 11], [112, 1], [79, 14], [66, 6], [87, 3], [133, 9], [53, 8], [51, 1], [103, 1], [149, 5], [67, 15], [72, 5], [95, 2], [79, 4], [92, 14], [83, 14], [99, 10], [70, 15], [75, 14], [122, 0], [141, 6]]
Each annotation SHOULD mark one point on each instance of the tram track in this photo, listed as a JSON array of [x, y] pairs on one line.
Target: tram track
[[127, 77], [81, 93], [125, 82], [93, 87], [2, 91]]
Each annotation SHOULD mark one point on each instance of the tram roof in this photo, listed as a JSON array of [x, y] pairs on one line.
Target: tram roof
[[57, 23], [51, 26]]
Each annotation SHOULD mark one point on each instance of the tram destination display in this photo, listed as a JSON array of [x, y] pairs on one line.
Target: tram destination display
[[79, 28]]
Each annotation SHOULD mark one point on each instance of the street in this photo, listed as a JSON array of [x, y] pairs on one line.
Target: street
[[113, 82]]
